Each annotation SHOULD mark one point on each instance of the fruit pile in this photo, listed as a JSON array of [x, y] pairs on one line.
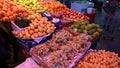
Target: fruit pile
[[39, 27], [100, 59], [32, 5], [93, 30], [9, 10], [53, 6], [69, 13], [62, 48]]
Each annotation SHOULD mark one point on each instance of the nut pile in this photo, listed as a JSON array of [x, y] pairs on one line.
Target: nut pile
[[61, 48], [100, 59]]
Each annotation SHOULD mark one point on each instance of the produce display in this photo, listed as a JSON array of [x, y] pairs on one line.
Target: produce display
[[9, 10], [100, 59], [93, 30], [32, 5], [69, 13], [66, 44], [53, 6], [39, 27], [62, 48]]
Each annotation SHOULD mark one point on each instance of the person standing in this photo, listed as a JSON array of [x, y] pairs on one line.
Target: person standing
[[110, 8]]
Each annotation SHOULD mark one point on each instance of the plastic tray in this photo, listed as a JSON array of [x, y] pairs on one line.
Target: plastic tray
[[56, 21], [47, 15], [39, 60], [15, 27]]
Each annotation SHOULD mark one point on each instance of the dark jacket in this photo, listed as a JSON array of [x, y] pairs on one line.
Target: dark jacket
[[3, 45], [110, 6]]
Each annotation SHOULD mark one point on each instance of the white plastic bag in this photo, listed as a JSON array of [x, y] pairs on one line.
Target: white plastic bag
[[28, 63]]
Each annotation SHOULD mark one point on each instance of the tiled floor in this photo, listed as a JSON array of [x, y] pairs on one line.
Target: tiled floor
[[108, 44]]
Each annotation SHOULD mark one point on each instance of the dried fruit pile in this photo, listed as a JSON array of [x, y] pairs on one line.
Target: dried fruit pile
[[61, 48], [100, 59], [9, 10], [39, 27]]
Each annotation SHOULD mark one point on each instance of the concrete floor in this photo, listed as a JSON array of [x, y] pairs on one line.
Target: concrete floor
[[107, 43]]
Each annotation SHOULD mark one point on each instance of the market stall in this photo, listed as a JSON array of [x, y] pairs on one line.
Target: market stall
[[53, 35]]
